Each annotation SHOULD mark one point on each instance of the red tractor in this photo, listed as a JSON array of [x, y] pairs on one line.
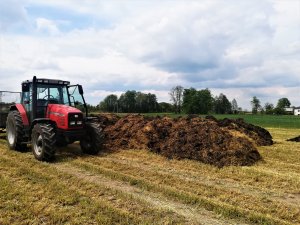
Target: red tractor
[[50, 115]]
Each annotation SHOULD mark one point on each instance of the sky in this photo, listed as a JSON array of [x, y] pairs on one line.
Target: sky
[[241, 48]]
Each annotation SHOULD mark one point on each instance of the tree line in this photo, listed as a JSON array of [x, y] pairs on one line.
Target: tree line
[[133, 102], [269, 108], [184, 100], [190, 101]]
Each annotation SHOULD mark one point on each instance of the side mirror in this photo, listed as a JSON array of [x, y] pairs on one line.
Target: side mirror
[[25, 88], [80, 89]]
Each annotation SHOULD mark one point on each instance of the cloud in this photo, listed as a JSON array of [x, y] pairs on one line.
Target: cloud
[[48, 26], [236, 47], [12, 13]]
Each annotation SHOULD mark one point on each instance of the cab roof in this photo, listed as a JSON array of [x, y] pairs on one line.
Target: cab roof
[[47, 81]]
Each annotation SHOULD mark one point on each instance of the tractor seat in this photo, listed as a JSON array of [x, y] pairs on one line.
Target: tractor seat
[[53, 101], [41, 102]]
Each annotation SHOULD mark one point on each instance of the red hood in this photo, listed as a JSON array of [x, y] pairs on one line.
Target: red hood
[[62, 109]]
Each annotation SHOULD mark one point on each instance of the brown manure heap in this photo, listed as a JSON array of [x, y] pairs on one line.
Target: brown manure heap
[[216, 142], [295, 139]]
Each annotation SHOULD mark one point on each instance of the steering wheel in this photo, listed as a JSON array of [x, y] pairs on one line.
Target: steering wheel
[[48, 96]]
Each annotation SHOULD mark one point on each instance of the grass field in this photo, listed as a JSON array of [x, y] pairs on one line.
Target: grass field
[[139, 187], [275, 121]]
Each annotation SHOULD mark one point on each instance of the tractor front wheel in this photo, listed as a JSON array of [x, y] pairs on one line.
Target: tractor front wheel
[[92, 142], [43, 142]]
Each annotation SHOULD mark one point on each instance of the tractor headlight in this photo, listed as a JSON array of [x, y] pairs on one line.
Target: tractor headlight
[[75, 120]]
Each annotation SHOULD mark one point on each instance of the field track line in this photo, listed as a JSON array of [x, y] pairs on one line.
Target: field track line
[[192, 214], [220, 183]]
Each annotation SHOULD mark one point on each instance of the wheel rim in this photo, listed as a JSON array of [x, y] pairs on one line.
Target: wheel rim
[[11, 132], [38, 145]]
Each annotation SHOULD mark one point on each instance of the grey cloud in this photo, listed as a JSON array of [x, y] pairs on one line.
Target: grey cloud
[[46, 65], [12, 12], [215, 44]]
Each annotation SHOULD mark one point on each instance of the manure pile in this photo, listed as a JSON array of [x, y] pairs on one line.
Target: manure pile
[[217, 142], [295, 139]]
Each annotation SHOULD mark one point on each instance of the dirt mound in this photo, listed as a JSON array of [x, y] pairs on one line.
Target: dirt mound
[[107, 119], [295, 139], [220, 143], [260, 135]]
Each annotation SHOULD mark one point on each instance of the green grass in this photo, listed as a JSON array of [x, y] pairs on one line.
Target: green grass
[[273, 121]]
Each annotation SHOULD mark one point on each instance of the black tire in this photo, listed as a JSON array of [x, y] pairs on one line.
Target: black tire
[[43, 142], [15, 131], [92, 142]]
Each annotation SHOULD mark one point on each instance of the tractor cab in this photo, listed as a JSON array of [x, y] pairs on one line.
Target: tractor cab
[[37, 94]]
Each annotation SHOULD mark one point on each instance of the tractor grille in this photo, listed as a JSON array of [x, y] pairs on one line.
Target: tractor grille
[[75, 119]]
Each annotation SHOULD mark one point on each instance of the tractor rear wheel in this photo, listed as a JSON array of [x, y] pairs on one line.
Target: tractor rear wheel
[[43, 142], [92, 142], [15, 131]]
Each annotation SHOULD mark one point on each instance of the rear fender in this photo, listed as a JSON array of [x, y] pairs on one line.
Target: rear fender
[[22, 111]]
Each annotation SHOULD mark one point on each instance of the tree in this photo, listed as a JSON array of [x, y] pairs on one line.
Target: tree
[[255, 105], [151, 101], [283, 103], [195, 102], [234, 106], [165, 107], [127, 101], [109, 104], [92, 108], [190, 101], [140, 102], [176, 94], [269, 108], [222, 104]]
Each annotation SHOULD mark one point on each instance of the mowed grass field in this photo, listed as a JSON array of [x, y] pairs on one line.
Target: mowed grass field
[[140, 187], [275, 121]]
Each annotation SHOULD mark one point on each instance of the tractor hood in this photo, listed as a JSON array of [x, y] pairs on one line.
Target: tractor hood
[[65, 117], [61, 110]]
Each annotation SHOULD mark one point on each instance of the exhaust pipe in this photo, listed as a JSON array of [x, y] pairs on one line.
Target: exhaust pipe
[[34, 99]]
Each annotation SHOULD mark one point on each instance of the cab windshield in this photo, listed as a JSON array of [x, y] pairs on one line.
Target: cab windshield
[[52, 94]]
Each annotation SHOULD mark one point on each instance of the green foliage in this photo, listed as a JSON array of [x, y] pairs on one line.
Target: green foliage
[[197, 102], [269, 108], [176, 94], [234, 107], [165, 107], [255, 102], [130, 102], [281, 105], [127, 102], [109, 104], [279, 111], [222, 105]]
